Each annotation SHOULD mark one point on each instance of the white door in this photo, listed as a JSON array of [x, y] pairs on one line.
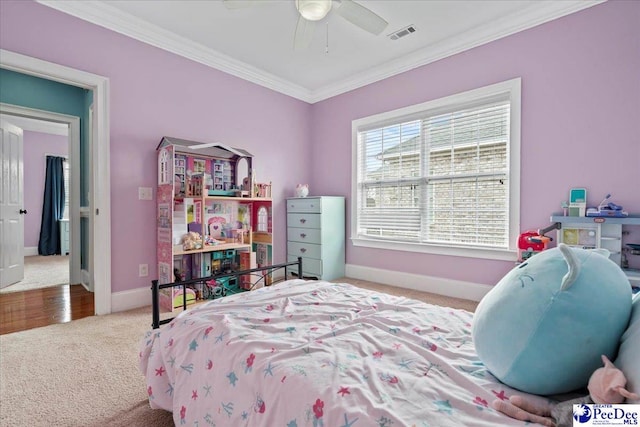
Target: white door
[[11, 205]]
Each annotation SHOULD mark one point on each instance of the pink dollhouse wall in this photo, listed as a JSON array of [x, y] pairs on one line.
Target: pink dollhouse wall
[[580, 127], [37, 146]]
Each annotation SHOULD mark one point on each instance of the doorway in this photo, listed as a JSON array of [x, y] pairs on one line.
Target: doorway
[[42, 140], [96, 214], [16, 241]]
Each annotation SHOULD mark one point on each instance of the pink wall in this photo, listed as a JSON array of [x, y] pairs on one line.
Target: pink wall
[[580, 123], [580, 127], [37, 146], [156, 93]]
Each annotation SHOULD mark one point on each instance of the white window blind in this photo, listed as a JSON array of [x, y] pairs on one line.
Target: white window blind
[[440, 176]]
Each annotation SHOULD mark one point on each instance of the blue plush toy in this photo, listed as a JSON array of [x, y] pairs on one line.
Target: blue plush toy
[[543, 328]]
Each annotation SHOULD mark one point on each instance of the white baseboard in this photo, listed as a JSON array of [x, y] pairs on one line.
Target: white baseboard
[[437, 285], [31, 251], [141, 297], [133, 298], [85, 277]]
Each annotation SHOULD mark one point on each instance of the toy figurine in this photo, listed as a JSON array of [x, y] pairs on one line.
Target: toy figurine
[[191, 241], [177, 276]]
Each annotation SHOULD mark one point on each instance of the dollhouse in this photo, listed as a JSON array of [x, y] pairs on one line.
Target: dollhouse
[[212, 217]]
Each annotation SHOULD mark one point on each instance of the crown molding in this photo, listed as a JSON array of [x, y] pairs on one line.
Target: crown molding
[[100, 13], [505, 26], [109, 17]]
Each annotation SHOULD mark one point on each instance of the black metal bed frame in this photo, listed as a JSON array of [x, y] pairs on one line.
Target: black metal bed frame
[[156, 287]]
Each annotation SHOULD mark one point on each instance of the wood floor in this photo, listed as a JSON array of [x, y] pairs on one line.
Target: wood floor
[[20, 311]]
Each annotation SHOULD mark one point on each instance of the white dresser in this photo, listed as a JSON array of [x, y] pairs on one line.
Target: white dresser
[[316, 232]]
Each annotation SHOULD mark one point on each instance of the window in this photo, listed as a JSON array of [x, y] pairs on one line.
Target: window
[[263, 219], [163, 167], [441, 177]]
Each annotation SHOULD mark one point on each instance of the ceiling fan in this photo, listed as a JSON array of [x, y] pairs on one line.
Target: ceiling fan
[[312, 11]]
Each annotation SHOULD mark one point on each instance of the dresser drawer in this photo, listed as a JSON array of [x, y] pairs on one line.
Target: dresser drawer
[[310, 267], [303, 220], [304, 205], [307, 250], [305, 235]]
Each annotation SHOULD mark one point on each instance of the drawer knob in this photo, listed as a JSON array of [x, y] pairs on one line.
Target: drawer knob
[[302, 220], [303, 235], [303, 250]]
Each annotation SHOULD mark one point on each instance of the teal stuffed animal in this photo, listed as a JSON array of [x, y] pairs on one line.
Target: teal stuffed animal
[[543, 328]]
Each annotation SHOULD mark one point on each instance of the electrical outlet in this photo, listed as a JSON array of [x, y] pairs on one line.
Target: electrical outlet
[[144, 193], [143, 270]]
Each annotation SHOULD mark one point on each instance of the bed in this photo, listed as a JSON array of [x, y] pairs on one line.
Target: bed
[[320, 354]]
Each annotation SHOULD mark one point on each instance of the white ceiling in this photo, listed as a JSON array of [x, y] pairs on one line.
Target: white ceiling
[[256, 43]]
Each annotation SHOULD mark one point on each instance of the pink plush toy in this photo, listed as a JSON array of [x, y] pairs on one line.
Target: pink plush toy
[[606, 385]]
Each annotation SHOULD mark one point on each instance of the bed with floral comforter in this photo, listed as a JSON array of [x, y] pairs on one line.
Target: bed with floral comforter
[[315, 353]]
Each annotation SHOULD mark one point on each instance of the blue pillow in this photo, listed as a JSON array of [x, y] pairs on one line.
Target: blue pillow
[[543, 328], [628, 360]]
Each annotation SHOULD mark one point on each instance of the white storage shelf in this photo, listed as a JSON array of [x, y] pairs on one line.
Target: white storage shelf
[[597, 232]]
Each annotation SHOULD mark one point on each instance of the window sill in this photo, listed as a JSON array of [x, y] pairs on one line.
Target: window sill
[[492, 254]]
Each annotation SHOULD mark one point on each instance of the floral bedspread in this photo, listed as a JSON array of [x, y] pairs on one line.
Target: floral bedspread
[[320, 354]]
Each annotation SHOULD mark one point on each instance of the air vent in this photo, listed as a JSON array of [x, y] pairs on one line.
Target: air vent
[[402, 32]]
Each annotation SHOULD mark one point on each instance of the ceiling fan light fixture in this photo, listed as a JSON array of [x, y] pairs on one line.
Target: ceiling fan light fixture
[[313, 10]]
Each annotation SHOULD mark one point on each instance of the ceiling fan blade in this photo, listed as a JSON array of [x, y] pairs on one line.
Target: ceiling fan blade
[[304, 33], [239, 4], [361, 16]]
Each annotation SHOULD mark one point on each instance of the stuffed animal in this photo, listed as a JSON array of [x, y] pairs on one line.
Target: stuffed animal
[[543, 328], [606, 386], [191, 241], [302, 190]]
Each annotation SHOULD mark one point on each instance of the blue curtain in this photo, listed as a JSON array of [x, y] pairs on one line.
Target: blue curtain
[[52, 208]]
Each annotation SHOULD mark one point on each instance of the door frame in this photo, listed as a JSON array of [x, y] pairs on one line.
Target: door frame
[[100, 183]]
